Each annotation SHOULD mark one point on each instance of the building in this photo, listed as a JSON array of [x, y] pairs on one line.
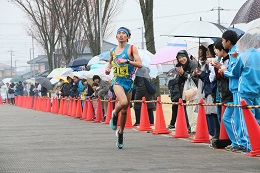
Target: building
[[41, 67], [5, 71]]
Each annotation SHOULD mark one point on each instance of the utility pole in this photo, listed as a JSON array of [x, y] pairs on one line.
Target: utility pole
[[219, 9], [15, 68], [100, 24], [142, 30], [31, 62], [11, 52], [33, 58]]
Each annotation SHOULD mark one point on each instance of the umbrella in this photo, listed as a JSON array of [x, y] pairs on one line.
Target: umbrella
[[79, 62], [190, 44], [5, 80], [60, 72], [17, 79], [238, 31], [165, 55], [44, 82], [105, 55], [146, 56], [95, 60], [199, 29], [251, 39], [248, 12], [32, 80]]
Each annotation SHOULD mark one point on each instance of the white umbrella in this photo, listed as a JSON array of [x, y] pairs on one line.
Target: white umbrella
[[199, 29], [5, 80], [146, 57], [31, 80], [95, 60], [60, 72], [190, 44]]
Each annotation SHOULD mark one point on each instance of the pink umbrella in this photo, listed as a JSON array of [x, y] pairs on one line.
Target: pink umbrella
[[166, 54]]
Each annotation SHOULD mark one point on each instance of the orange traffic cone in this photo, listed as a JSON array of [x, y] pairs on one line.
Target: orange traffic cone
[[99, 116], [34, 102], [74, 108], [223, 133], [160, 126], [65, 107], [70, 107], [202, 132], [128, 123], [79, 109], [48, 107], [56, 108], [109, 111], [61, 106], [253, 129], [181, 125], [144, 122], [1, 100], [90, 112], [85, 110]]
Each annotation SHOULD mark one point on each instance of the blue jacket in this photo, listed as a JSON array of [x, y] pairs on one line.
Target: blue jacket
[[233, 80], [80, 86], [248, 67]]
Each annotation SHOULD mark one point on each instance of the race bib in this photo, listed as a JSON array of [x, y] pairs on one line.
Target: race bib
[[121, 71]]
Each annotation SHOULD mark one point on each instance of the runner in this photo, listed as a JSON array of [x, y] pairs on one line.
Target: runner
[[124, 59]]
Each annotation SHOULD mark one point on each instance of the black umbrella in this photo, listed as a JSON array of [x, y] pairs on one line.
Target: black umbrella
[[44, 82], [248, 12], [79, 62]]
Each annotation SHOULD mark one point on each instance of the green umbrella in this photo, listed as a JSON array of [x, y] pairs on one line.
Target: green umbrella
[[17, 79]]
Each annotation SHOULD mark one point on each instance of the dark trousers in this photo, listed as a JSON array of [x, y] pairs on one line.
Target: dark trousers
[[174, 116], [138, 113]]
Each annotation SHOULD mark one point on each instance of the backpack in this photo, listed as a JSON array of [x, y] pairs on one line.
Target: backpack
[[174, 88], [151, 88]]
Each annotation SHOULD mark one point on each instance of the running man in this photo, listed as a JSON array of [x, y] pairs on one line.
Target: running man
[[124, 59]]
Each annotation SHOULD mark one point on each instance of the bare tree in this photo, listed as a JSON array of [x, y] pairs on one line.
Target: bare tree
[[41, 14], [91, 21], [69, 15], [147, 13]]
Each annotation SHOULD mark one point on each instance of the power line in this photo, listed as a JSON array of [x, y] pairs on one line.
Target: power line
[[176, 15]]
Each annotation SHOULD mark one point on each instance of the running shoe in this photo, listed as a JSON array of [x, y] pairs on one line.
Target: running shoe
[[120, 138], [238, 149], [229, 147], [113, 121]]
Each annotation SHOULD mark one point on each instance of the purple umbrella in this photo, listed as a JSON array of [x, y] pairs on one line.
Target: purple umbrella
[[248, 12]]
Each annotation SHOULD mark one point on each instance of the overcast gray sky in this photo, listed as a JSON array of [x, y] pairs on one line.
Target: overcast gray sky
[[168, 14]]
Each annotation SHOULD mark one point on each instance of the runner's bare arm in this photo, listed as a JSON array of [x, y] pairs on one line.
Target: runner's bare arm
[[109, 66], [137, 60]]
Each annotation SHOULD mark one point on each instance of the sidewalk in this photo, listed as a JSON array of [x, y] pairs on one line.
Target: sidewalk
[[39, 142]]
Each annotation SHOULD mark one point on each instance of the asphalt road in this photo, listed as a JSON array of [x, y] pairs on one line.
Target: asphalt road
[[39, 142]]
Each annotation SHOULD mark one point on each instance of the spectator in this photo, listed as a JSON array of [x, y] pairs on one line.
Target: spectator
[[206, 74], [31, 90], [43, 91], [77, 84], [94, 96], [88, 91], [185, 68], [11, 91], [140, 92], [20, 88], [103, 91], [64, 88]]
